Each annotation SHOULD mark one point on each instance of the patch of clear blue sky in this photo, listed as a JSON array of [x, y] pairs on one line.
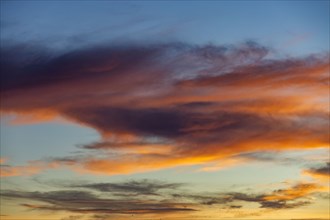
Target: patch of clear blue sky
[[294, 27], [21, 143]]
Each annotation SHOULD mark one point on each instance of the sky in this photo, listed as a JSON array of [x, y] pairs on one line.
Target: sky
[[164, 110]]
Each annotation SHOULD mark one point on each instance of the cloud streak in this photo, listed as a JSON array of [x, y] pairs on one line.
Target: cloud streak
[[33, 167], [133, 197], [150, 197], [322, 173], [144, 187]]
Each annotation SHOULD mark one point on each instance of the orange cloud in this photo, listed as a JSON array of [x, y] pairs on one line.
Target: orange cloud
[[202, 104], [315, 175], [31, 168], [2, 160], [298, 191], [36, 116], [321, 173]]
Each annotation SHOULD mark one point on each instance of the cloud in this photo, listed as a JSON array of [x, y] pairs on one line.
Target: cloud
[[283, 204], [134, 198], [3, 160], [325, 170], [33, 167], [73, 217], [321, 173], [295, 196], [296, 192], [292, 197], [131, 197], [271, 74], [171, 104], [285, 158], [143, 187]]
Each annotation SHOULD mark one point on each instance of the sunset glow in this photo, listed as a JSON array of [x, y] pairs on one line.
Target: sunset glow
[[165, 110]]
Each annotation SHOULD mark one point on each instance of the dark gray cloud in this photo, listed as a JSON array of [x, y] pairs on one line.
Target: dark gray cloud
[[73, 217], [158, 122], [283, 204], [235, 206], [142, 187], [217, 127], [113, 144], [25, 67], [87, 202], [322, 170], [289, 198], [153, 197]]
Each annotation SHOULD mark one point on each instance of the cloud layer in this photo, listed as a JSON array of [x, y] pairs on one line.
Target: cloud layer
[[166, 105], [145, 197]]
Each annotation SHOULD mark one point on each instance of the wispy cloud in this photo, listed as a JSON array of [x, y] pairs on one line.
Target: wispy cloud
[[293, 197], [321, 172], [114, 199], [144, 187], [144, 197], [2, 160], [33, 167]]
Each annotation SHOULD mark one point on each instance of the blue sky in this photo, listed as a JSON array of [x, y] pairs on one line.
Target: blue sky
[[297, 27]]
